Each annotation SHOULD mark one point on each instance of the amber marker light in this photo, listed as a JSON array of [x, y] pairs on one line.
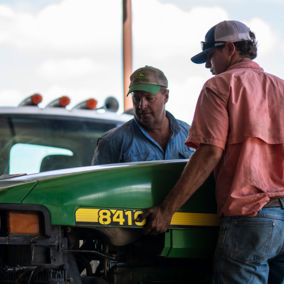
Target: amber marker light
[[64, 101], [91, 104], [22, 223], [36, 99]]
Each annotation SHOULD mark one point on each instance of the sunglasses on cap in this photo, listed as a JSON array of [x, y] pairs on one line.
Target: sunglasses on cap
[[209, 44]]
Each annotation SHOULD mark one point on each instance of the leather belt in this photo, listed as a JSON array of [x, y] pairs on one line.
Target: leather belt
[[274, 202]]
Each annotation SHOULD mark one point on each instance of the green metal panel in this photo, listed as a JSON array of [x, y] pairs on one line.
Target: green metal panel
[[167, 243], [195, 242], [135, 187], [14, 192]]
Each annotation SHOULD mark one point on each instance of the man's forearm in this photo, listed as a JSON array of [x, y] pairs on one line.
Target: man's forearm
[[197, 170], [199, 167]]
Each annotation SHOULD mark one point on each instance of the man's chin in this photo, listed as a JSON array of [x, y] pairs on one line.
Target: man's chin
[[146, 121]]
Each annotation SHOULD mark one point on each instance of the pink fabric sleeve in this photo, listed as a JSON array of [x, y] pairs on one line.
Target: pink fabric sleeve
[[210, 124]]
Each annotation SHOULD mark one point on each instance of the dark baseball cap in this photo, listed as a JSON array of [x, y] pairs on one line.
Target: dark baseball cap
[[226, 31]]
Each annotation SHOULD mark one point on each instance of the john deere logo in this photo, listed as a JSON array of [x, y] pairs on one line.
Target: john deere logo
[[141, 75]]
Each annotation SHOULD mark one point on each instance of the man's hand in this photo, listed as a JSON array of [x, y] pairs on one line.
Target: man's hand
[[159, 219]]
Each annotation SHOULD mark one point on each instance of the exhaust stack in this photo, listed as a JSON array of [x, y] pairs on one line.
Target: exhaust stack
[[127, 52]]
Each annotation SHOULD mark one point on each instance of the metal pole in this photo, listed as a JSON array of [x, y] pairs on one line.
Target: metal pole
[[127, 52]]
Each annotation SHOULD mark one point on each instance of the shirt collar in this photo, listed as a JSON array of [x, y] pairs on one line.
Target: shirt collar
[[174, 126], [245, 64]]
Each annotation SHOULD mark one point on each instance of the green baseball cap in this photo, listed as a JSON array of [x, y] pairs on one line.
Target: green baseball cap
[[147, 79]]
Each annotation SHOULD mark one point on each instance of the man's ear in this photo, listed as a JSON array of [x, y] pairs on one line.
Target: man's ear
[[231, 48], [166, 96]]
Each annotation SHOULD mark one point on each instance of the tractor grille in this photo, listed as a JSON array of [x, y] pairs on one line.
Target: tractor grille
[[19, 255]]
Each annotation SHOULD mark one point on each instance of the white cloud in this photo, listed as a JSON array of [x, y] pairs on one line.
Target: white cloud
[[183, 98], [62, 69], [169, 31], [72, 26], [74, 48], [266, 37], [10, 97], [6, 11], [170, 37]]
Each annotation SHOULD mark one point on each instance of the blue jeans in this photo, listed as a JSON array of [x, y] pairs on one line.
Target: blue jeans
[[250, 250]]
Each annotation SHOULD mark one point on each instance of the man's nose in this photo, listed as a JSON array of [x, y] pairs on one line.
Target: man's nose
[[143, 103]]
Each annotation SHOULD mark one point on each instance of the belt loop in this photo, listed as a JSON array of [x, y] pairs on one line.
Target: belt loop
[[282, 202]]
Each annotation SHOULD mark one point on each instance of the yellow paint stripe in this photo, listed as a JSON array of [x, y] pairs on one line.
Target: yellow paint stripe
[[87, 215], [195, 219], [179, 218]]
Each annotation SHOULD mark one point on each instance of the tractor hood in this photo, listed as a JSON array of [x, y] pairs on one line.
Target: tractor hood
[[126, 186]]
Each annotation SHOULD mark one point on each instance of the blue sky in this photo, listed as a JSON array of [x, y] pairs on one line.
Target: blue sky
[[73, 47]]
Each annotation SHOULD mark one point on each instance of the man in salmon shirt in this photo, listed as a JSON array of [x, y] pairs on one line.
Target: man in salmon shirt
[[237, 131]]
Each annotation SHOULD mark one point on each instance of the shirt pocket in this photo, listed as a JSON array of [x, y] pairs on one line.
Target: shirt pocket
[[184, 154], [147, 156]]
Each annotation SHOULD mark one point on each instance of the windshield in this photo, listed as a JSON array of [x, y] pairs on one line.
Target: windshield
[[32, 144]]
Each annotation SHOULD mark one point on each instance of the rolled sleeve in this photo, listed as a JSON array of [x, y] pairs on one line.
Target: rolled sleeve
[[211, 121]]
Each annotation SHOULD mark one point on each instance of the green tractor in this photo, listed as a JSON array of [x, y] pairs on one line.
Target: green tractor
[[68, 222]]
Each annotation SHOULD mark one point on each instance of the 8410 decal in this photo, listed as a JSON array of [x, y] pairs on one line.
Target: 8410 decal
[[114, 217]]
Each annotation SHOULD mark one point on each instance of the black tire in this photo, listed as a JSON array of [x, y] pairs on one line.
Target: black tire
[[83, 263], [73, 269]]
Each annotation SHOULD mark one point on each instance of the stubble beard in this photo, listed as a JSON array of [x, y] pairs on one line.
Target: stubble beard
[[145, 121]]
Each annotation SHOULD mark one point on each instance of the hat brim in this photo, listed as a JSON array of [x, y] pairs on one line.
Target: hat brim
[[153, 89], [202, 56]]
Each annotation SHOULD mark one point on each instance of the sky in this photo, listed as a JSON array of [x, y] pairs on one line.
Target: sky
[[74, 47]]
